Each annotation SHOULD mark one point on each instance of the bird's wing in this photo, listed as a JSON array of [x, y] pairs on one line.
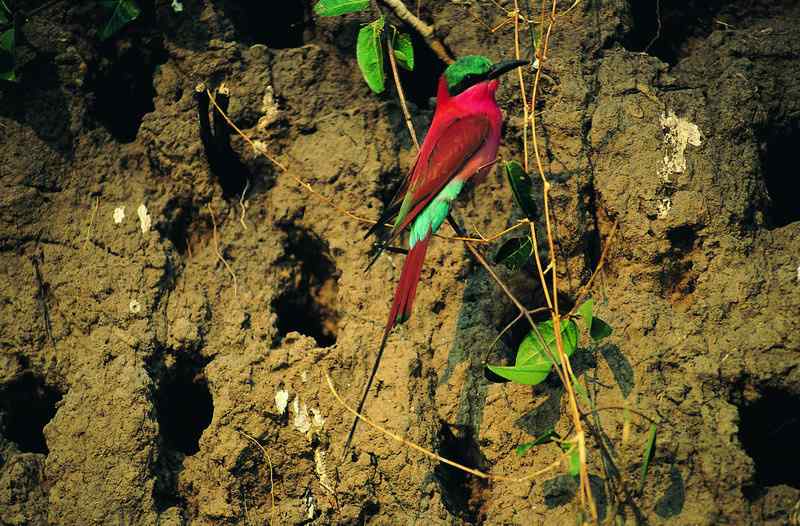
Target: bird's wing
[[458, 143], [436, 165]]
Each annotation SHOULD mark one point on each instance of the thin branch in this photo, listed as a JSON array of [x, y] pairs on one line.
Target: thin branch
[[586, 288], [219, 254], [431, 454], [426, 31], [271, 483], [401, 95]]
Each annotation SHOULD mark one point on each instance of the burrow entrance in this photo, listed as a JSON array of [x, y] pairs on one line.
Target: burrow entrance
[[769, 430], [308, 303], [184, 404], [277, 25], [665, 29], [779, 169], [26, 406], [462, 493], [122, 87]]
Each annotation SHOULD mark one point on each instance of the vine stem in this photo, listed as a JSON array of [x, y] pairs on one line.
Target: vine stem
[[567, 374]]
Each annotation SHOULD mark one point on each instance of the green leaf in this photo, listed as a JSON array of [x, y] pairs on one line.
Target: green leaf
[[369, 55], [525, 375], [533, 364], [404, 51], [521, 187], [581, 390], [600, 329], [648, 455], [6, 17], [531, 350], [123, 12], [8, 52], [585, 312], [339, 7], [523, 448], [574, 457], [515, 252], [544, 438]]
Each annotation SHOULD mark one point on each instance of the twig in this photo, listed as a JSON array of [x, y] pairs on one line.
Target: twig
[[658, 27], [91, 222], [430, 453], [564, 368], [243, 205], [219, 254], [401, 95], [271, 484], [426, 31], [522, 309], [586, 288], [41, 297]]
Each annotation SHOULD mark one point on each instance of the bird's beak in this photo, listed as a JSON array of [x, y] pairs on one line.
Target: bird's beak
[[504, 66]]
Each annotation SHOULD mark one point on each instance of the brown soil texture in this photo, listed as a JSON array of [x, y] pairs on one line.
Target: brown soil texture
[[133, 365]]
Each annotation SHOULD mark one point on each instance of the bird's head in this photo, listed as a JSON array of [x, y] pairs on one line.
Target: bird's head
[[474, 69]]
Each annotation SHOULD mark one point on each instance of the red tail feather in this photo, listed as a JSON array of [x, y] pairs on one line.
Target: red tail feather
[[401, 311], [407, 286]]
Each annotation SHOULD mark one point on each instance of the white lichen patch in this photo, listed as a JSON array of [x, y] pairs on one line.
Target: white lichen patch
[[135, 307], [269, 109], [145, 222], [678, 133], [663, 207], [119, 214], [798, 273], [301, 421], [316, 418], [322, 470], [282, 401]]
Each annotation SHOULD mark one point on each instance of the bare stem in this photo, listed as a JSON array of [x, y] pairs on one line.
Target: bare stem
[[426, 31]]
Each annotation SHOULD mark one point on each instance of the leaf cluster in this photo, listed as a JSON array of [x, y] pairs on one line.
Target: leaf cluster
[[370, 43], [536, 353]]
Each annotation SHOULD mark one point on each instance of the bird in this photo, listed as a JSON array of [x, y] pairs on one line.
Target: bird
[[461, 143]]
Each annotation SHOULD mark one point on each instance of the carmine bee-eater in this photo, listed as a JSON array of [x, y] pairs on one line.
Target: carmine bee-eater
[[461, 143]]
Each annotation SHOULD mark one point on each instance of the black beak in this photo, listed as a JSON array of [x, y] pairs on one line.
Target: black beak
[[504, 66]]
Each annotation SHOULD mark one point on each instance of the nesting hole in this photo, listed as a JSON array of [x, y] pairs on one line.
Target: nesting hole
[[779, 165], [308, 304], [463, 494], [123, 88], [769, 430], [27, 405], [184, 406], [682, 239], [278, 25], [680, 23]]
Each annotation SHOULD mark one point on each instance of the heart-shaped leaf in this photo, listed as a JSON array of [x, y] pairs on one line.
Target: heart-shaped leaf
[[533, 364], [404, 51], [369, 55], [123, 12], [600, 329], [521, 187], [339, 7], [531, 350], [515, 252]]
